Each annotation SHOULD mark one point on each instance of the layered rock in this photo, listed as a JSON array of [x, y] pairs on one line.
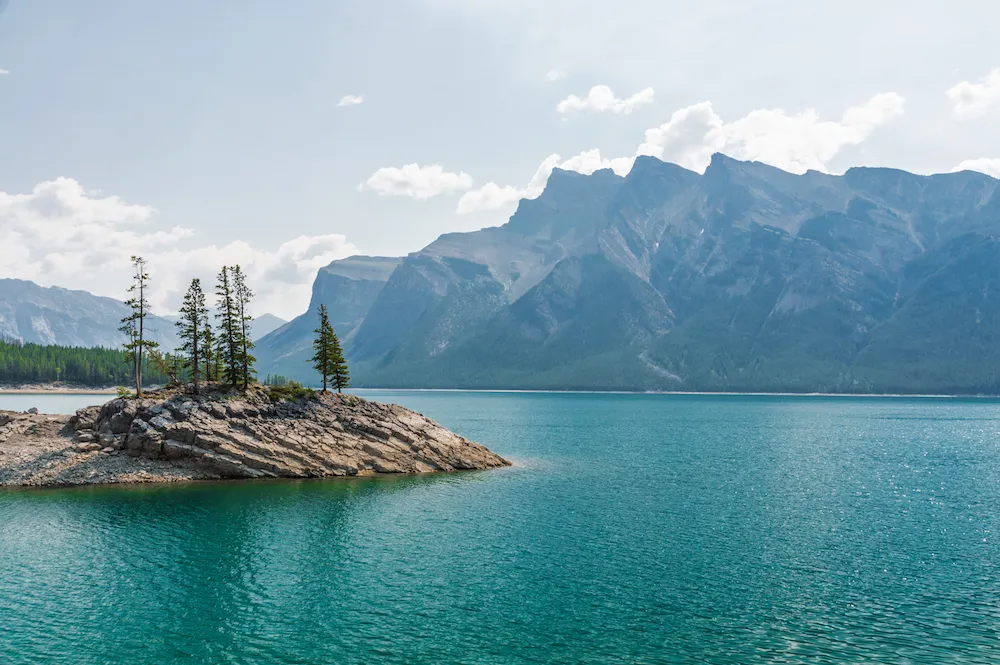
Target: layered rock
[[222, 435]]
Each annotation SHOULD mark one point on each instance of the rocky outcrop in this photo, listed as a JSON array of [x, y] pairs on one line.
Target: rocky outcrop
[[224, 435]]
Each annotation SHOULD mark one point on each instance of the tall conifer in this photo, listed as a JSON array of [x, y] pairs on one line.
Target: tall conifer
[[341, 373], [241, 296], [209, 349], [134, 325], [194, 316], [229, 326], [323, 346]]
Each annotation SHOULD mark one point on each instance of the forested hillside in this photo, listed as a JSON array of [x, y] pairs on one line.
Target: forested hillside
[[36, 363]]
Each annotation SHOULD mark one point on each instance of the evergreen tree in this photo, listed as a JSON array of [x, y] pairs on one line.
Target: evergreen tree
[[220, 358], [341, 373], [323, 358], [134, 325], [242, 295], [194, 314], [37, 363], [229, 326], [209, 349]]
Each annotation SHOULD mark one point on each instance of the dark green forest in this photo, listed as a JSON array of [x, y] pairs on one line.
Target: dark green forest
[[35, 363]]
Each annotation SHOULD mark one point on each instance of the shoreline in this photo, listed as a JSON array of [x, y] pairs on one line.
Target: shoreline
[[57, 391], [84, 390], [687, 393], [175, 436]]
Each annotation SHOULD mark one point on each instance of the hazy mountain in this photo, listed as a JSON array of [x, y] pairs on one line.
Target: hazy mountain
[[348, 288], [265, 324], [743, 278], [31, 313]]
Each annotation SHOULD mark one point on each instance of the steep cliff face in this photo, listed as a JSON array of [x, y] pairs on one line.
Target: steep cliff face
[[455, 285], [348, 288], [742, 278]]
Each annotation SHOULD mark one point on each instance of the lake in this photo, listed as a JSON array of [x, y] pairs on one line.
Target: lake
[[632, 529]]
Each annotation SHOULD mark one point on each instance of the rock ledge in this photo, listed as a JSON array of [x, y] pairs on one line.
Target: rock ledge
[[166, 437]]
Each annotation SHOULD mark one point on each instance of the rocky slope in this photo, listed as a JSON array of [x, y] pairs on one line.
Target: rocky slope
[[31, 313], [347, 287], [181, 436], [744, 278]]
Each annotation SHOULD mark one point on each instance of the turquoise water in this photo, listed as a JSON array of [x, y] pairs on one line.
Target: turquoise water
[[633, 529]]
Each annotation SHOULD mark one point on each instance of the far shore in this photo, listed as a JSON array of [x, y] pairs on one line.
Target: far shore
[[59, 389], [691, 393], [55, 390]]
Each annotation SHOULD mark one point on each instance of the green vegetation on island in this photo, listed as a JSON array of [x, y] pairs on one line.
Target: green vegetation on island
[[329, 359], [221, 356]]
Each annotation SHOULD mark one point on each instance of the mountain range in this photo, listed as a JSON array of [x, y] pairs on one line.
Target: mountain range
[[744, 278], [54, 315]]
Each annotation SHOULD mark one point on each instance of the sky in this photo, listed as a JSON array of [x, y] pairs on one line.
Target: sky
[[282, 136]]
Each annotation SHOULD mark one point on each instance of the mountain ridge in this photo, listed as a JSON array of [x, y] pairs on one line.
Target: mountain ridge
[[742, 278], [69, 317]]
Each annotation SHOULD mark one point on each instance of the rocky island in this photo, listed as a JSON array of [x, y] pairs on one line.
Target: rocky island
[[174, 436]]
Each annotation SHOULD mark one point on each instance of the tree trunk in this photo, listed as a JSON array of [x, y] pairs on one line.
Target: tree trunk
[[194, 356], [142, 318]]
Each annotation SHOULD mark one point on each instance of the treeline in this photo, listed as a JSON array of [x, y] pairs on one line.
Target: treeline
[[216, 347], [219, 353], [97, 367]]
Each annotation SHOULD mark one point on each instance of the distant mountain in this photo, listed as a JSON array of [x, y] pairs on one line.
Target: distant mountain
[[348, 288], [265, 324], [53, 315], [745, 278]]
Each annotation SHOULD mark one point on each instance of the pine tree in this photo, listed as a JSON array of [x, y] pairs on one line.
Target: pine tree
[[209, 349], [242, 295], [229, 327], [323, 344], [341, 373], [134, 325], [220, 358], [193, 316]]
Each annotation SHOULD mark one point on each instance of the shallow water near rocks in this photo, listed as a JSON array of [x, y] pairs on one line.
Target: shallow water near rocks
[[633, 529]]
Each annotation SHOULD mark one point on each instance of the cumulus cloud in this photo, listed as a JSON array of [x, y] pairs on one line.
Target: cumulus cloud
[[61, 235], [985, 165], [972, 99], [601, 98], [492, 196], [795, 142], [351, 100], [416, 181], [554, 75]]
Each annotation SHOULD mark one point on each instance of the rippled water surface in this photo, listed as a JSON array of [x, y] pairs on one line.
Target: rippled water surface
[[633, 529]]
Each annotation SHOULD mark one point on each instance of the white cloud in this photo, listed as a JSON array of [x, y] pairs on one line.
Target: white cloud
[[602, 98], [413, 180], [492, 196], [985, 165], [554, 75], [4, 72], [60, 235], [972, 99], [795, 142], [689, 138], [351, 100]]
